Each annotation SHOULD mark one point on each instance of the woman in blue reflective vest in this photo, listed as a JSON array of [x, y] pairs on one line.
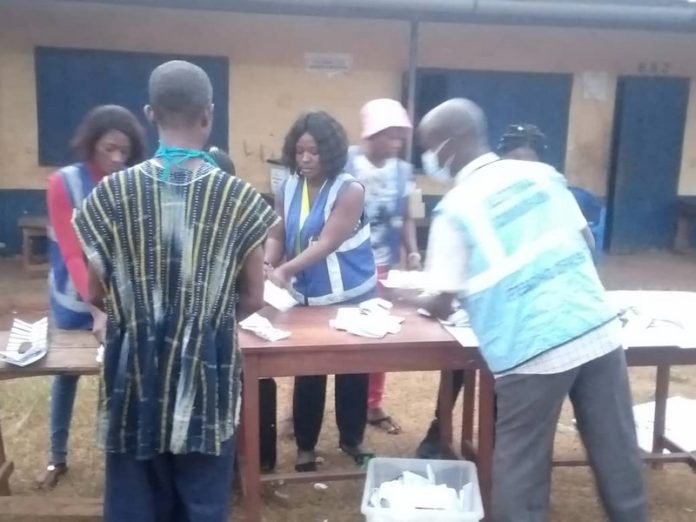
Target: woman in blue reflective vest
[[322, 253], [108, 139]]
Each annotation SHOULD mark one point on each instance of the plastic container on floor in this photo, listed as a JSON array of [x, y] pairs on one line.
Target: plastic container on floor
[[453, 473]]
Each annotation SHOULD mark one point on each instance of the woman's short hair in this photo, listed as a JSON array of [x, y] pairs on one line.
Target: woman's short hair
[[103, 119], [522, 135], [332, 142]]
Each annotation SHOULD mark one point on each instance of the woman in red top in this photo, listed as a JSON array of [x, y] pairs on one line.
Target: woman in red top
[[108, 139]]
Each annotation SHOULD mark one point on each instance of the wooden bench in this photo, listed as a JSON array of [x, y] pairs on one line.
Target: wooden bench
[[33, 228]]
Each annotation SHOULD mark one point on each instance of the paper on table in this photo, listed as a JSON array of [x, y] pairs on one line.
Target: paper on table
[[656, 318], [263, 328], [405, 280], [277, 297], [374, 325], [27, 343]]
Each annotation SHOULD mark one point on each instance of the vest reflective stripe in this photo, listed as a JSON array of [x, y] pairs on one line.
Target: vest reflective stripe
[[532, 283], [67, 308], [345, 274], [361, 290]]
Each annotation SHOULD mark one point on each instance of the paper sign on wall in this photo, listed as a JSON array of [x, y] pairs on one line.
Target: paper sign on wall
[[328, 62], [595, 85]]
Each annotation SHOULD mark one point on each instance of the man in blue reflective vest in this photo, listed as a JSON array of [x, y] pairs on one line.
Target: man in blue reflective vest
[[509, 242]]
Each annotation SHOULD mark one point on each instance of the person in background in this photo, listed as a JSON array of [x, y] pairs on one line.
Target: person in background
[[222, 160], [388, 183], [511, 245], [175, 249], [108, 139], [322, 253], [522, 141]]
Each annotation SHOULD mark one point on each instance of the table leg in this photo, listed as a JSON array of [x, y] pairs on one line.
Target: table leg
[[486, 435], [6, 468], [251, 456], [659, 420], [446, 400], [468, 403]]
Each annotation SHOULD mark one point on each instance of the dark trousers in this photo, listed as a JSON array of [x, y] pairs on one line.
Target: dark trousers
[[308, 402], [433, 434], [169, 488], [528, 411]]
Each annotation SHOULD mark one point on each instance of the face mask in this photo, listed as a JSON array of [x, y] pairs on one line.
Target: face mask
[[432, 168]]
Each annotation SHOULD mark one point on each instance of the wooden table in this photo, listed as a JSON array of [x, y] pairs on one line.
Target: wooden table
[[315, 348], [662, 358], [72, 353]]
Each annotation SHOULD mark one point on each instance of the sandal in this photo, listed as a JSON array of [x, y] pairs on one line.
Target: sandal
[[306, 461], [49, 478], [359, 455], [387, 424]]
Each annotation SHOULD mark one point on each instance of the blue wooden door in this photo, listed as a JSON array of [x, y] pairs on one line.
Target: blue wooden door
[[644, 174], [70, 82], [512, 97], [506, 97]]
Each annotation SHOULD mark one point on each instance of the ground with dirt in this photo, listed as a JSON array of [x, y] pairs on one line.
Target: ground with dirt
[[410, 399]]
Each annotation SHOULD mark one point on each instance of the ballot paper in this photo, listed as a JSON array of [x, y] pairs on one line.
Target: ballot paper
[[27, 342], [277, 297], [411, 491], [263, 328], [405, 280], [369, 320]]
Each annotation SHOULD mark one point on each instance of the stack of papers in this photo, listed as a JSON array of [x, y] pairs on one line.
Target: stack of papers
[[656, 318], [277, 297], [263, 328], [405, 280], [412, 491], [371, 319], [28, 342]]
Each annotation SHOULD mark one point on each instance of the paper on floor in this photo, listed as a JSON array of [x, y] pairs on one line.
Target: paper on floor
[[680, 423], [27, 343], [263, 328], [278, 298]]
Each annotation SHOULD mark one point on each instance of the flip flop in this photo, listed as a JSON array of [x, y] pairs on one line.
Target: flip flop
[[49, 478], [360, 457], [387, 424]]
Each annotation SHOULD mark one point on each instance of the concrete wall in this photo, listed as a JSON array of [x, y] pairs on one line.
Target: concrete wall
[[269, 85]]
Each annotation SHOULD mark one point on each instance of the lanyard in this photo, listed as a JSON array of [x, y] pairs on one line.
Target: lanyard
[[305, 209]]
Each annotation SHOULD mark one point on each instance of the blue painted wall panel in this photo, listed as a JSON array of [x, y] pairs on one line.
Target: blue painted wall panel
[[542, 99], [70, 82]]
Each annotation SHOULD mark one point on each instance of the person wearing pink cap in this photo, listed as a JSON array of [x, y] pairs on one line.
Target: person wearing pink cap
[[388, 183]]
